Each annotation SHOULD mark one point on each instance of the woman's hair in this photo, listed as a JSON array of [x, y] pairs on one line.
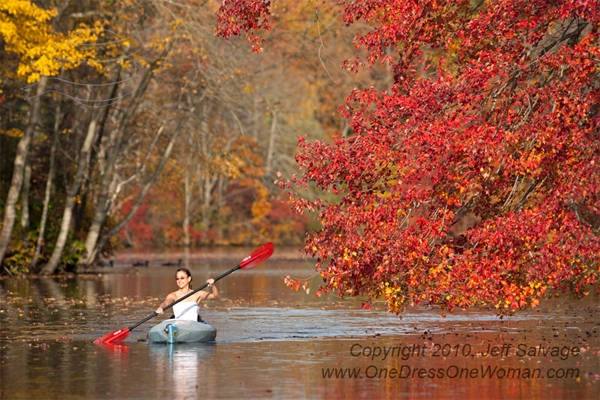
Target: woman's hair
[[187, 272]]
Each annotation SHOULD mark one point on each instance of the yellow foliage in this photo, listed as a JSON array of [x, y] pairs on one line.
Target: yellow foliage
[[261, 207], [14, 132], [27, 32]]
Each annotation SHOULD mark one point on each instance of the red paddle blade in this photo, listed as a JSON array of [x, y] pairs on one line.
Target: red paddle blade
[[259, 255], [113, 337]]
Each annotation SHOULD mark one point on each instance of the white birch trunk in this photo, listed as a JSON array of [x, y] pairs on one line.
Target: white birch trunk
[[65, 226], [14, 191]]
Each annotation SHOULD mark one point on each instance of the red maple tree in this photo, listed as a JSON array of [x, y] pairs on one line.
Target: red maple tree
[[473, 179]]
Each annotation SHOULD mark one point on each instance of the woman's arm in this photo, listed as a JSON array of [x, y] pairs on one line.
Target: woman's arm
[[168, 300], [212, 292]]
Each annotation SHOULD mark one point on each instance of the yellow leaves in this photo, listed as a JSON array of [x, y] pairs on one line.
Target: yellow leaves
[[14, 132], [26, 8], [228, 167], [261, 207], [535, 285], [176, 24], [8, 31], [348, 255], [435, 271], [27, 32]]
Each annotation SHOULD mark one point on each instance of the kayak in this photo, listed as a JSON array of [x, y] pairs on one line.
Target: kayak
[[181, 331]]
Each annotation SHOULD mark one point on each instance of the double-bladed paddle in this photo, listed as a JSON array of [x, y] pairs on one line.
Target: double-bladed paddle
[[259, 255]]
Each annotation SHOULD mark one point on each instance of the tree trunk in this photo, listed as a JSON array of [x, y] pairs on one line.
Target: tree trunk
[[271, 147], [112, 148], [61, 240], [186, 209], [94, 248], [21, 157], [48, 192], [25, 220]]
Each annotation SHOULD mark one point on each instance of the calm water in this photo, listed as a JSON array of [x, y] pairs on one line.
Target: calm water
[[276, 343]]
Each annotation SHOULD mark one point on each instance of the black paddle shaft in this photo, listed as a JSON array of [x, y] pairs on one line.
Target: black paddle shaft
[[154, 314]]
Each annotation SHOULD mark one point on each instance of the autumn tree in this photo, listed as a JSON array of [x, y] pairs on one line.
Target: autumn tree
[[92, 83], [249, 107], [32, 51], [473, 179], [197, 97], [133, 82]]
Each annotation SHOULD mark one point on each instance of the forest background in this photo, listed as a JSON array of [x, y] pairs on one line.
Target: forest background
[[443, 152], [147, 130]]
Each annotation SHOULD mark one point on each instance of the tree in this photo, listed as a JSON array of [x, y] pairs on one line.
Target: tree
[[36, 52], [473, 179], [247, 106], [98, 75], [101, 128]]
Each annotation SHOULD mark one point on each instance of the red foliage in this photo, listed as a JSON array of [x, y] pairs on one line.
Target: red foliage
[[237, 16], [474, 179], [137, 227], [282, 213]]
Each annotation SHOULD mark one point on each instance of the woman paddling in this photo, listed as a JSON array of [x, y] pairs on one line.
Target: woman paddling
[[188, 309]]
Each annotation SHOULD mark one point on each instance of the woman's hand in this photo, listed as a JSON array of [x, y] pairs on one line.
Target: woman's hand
[[159, 310], [212, 292]]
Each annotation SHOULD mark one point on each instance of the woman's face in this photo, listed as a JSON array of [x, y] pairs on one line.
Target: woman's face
[[183, 280]]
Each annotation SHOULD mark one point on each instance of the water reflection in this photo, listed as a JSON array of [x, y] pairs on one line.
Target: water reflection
[[178, 367], [272, 342]]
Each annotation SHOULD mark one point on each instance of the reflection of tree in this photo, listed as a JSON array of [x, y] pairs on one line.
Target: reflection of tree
[[261, 287]]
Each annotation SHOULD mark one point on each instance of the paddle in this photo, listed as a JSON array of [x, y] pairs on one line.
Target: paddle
[[259, 255]]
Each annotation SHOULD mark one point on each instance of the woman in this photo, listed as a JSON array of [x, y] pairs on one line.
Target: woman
[[188, 308]]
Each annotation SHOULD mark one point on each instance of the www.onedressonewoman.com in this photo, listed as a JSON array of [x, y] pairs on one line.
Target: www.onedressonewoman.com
[[449, 372], [484, 363]]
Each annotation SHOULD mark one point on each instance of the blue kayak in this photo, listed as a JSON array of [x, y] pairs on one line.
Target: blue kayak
[[181, 331]]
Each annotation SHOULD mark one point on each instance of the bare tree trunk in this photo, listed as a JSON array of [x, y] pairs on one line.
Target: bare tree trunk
[[48, 192], [92, 252], [271, 147], [256, 114], [220, 201], [61, 240], [112, 148], [186, 209], [21, 157], [25, 197]]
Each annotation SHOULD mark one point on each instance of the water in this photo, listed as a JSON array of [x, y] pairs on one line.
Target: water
[[276, 343]]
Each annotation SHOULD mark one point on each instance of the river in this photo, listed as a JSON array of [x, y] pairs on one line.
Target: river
[[277, 343]]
